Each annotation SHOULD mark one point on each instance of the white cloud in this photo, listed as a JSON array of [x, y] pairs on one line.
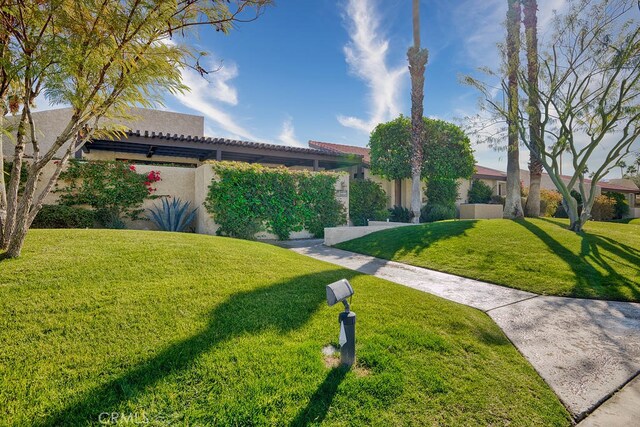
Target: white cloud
[[366, 55], [480, 25], [220, 88], [287, 135], [205, 95]]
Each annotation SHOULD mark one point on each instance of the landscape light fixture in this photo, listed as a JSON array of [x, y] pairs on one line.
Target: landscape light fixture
[[339, 292]]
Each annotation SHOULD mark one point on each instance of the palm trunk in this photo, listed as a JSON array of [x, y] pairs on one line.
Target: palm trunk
[[532, 207], [417, 63], [513, 203]]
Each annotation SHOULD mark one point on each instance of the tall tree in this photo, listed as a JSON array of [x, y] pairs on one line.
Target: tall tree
[[513, 203], [532, 206], [417, 57], [589, 87], [100, 57]]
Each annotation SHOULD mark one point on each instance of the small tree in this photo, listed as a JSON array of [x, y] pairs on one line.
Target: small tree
[[479, 192], [448, 153], [441, 200], [98, 57]]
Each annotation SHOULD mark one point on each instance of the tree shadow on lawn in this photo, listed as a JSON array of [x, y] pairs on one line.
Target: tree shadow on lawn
[[406, 240], [285, 306], [319, 404], [608, 284]]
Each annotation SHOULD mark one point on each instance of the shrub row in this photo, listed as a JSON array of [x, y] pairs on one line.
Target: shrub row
[[248, 198], [61, 216], [367, 201]]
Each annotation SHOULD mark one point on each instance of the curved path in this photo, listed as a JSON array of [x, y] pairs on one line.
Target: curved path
[[586, 350]]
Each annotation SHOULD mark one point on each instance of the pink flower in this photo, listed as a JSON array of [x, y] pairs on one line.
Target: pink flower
[[132, 168]]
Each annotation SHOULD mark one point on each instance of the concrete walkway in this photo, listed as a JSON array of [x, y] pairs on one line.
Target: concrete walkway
[[586, 350]]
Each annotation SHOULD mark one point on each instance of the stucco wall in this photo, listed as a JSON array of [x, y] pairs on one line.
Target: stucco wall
[[480, 211], [176, 182], [50, 123]]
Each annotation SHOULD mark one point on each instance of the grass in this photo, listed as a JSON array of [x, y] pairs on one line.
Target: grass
[[196, 330], [537, 255], [634, 221]]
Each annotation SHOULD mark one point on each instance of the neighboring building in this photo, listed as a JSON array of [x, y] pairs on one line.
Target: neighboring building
[[175, 144], [399, 191]]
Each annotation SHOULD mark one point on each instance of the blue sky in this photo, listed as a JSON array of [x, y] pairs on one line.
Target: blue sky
[[331, 70]]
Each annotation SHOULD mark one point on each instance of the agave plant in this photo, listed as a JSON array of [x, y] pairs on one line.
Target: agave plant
[[173, 215]]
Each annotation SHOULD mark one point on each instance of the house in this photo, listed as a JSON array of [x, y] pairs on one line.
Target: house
[[174, 144], [399, 191]]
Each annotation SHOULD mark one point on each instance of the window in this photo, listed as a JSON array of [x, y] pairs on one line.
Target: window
[[502, 188]]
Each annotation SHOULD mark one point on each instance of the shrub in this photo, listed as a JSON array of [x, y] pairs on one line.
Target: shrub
[[113, 189], [174, 215], [562, 213], [603, 208], [479, 192], [437, 212], [317, 205], [550, 200], [498, 200], [400, 214], [248, 198], [621, 207], [441, 200], [367, 201], [61, 216]]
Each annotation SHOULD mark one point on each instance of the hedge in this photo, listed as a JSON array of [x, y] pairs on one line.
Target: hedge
[[248, 198], [367, 201], [61, 216]]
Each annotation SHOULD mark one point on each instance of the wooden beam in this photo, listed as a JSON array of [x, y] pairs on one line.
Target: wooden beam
[[151, 151]]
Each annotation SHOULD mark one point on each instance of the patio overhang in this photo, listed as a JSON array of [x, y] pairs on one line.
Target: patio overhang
[[151, 144]]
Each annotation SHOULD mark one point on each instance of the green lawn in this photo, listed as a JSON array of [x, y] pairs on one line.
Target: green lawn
[[196, 330], [635, 221], [537, 255]]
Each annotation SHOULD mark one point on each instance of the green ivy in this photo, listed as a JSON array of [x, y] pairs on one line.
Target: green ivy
[[367, 201], [112, 188], [248, 198]]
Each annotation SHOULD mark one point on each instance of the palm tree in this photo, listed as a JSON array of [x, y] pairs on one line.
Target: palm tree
[[513, 203], [417, 62], [530, 8]]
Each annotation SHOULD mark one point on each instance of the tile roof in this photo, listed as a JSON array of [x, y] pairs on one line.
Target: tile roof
[[231, 142], [488, 172], [606, 186], [344, 149]]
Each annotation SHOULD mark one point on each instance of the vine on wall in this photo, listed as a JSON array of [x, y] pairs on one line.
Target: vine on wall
[[249, 198], [114, 189]]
